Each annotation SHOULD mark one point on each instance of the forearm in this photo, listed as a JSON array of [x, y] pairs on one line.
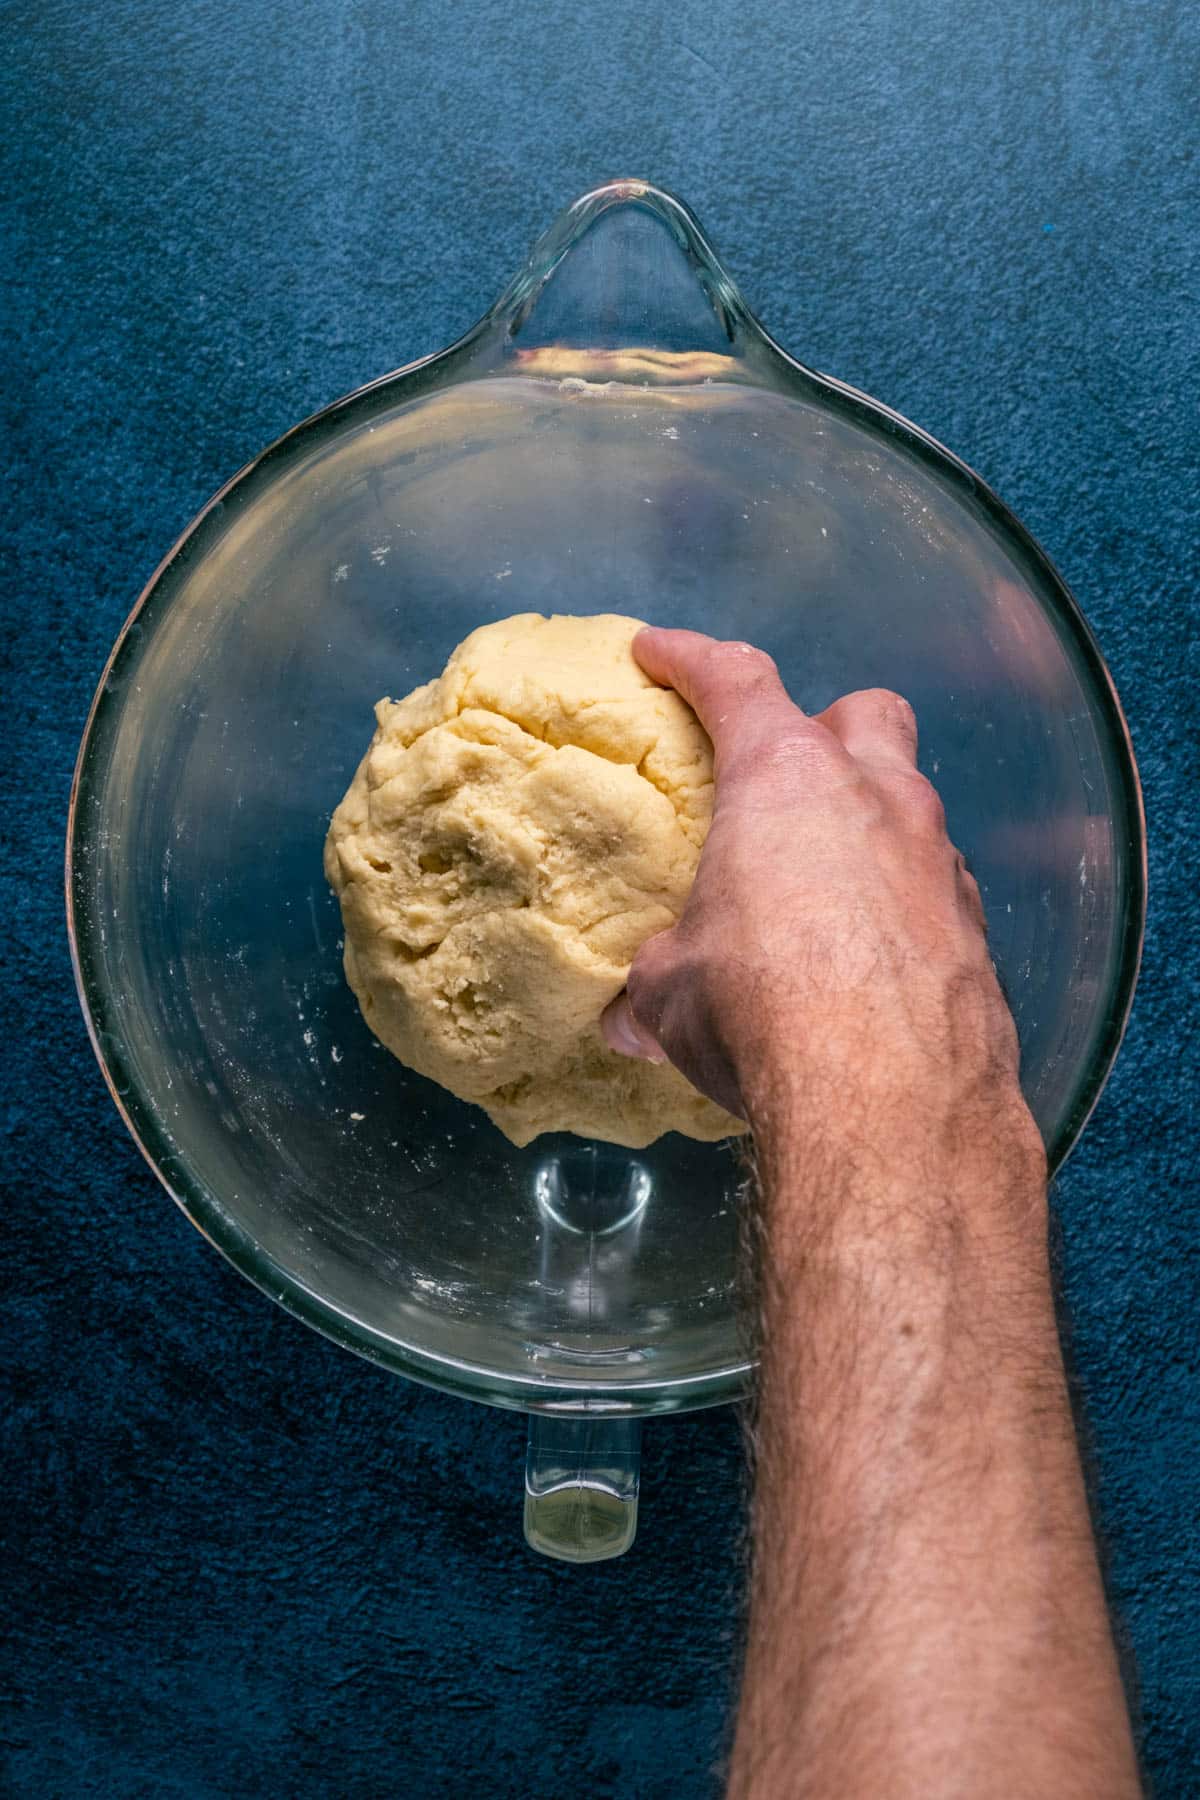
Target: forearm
[[927, 1616]]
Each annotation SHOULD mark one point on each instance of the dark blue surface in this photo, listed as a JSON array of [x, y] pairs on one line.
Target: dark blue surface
[[243, 1562]]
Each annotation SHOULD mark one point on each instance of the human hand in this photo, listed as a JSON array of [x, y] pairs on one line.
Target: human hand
[[833, 948]]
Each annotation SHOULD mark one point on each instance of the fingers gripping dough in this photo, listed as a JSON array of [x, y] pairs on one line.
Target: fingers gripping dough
[[516, 830]]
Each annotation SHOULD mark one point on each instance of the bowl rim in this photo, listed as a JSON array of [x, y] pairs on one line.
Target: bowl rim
[[731, 1381]]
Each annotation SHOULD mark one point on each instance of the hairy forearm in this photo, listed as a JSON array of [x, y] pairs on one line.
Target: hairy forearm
[[927, 1616]]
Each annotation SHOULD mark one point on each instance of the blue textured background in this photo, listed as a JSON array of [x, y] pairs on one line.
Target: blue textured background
[[241, 1561]]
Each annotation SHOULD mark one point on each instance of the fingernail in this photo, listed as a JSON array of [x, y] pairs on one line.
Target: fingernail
[[623, 1034]]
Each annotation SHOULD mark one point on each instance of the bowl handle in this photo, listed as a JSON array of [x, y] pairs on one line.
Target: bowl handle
[[581, 1485]]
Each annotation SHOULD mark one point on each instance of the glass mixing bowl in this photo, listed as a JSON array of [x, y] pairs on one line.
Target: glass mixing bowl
[[617, 434]]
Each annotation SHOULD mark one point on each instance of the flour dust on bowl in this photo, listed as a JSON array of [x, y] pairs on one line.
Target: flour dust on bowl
[[618, 435]]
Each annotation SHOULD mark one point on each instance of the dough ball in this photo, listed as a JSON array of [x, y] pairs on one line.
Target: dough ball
[[515, 832]]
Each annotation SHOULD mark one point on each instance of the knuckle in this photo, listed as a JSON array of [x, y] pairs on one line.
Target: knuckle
[[970, 889], [897, 710], [745, 665], [874, 720], [922, 805], [887, 701], [893, 714], [738, 650]]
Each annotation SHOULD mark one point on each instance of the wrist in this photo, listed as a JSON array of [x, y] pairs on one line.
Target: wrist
[[906, 1164]]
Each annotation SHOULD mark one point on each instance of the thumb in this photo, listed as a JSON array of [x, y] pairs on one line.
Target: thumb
[[725, 684], [623, 1034]]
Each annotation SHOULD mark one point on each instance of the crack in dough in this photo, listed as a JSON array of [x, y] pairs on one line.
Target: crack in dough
[[516, 830]]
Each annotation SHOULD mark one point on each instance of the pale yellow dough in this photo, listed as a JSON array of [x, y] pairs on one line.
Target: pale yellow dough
[[515, 832]]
